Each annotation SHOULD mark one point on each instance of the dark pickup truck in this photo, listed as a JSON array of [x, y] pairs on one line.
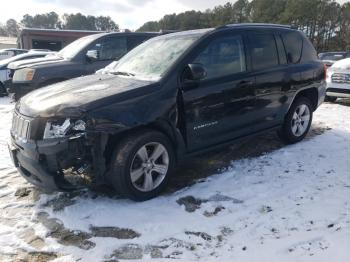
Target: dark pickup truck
[[173, 96], [82, 57]]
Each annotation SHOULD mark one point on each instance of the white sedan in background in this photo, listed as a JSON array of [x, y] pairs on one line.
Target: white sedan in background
[[338, 80]]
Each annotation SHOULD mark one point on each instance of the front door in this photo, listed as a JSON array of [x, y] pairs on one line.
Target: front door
[[219, 107]]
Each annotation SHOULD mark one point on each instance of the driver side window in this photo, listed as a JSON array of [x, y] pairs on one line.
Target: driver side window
[[111, 48], [223, 56]]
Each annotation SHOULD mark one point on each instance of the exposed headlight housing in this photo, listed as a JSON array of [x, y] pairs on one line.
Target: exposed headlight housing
[[57, 130], [25, 74]]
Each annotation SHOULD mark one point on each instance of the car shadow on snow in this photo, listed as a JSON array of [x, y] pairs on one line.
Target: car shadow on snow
[[195, 169]]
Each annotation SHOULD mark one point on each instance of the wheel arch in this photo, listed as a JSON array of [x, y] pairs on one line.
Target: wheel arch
[[162, 126], [311, 94]]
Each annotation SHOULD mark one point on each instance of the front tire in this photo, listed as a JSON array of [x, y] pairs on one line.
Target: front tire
[[141, 165], [297, 122]]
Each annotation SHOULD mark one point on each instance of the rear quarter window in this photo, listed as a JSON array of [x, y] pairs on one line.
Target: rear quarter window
[[293, 44], [309, 52]]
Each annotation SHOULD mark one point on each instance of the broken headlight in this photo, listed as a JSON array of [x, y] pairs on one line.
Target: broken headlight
[[56, 129]]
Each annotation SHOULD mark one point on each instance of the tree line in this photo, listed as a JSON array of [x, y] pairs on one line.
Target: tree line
[[53, 21], [325, 22]]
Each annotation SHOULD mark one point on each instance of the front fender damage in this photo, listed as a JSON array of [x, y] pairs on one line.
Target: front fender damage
[[77, 161]]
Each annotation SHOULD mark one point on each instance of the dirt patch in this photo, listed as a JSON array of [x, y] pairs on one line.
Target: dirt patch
[[65, 236], [216, 211], [63, 200], [33, 240], [128, 252], [115, 232], [192, 204], [202, 235], [36, 257], [23, 192], [79, 238]]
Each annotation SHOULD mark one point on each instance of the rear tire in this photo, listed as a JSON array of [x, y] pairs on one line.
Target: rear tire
[[141, 165], [330, 99], [297, 121]]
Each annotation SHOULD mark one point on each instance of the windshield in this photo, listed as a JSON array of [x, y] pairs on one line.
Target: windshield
[[75, 47], [153, 58]]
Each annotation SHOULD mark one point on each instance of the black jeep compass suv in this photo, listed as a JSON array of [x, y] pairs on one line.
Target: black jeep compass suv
[[172, 96]]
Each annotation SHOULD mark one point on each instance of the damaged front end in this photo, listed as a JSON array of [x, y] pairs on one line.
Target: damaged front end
[[59, 153]]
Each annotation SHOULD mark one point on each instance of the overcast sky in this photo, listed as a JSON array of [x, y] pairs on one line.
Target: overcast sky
[[127, 13]]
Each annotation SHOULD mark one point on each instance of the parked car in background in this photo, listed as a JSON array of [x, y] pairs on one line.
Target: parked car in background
[[338, 80], [6, 73], [329, 58], [10, 52], [82, 57], [173, 96]]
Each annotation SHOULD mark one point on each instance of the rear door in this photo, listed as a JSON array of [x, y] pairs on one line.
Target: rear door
[[272, 80], [219, 107]]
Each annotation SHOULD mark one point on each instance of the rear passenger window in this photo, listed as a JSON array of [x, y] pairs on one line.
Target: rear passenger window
[[294, 45], [223, 56], [263, 51]]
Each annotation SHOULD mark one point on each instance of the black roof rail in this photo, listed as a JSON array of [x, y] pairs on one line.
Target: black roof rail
[[259, 24]]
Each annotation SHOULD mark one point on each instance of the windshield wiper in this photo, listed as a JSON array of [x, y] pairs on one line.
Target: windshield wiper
[[121, 73]]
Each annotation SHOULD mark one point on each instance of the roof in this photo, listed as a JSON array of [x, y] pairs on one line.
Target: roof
[[33, 30], [189, 32], [74, 33], [8, 40], [259, 25]]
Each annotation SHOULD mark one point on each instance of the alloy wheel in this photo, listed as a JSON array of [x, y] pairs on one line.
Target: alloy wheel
[[149, 166], [300, 120]]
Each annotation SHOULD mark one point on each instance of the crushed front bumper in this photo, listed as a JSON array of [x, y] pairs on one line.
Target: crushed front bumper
[[42, 163], [31, 170]]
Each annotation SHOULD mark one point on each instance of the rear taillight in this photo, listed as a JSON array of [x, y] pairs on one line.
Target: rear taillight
[[325, 71]]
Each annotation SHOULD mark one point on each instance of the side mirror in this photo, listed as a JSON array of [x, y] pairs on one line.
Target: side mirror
[[196, 72], [93, 55]]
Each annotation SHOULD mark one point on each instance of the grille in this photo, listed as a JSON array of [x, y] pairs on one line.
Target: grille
[[20, 127], [341, 78]]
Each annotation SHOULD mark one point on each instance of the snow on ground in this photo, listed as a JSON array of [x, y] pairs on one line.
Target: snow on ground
[[288, 204]]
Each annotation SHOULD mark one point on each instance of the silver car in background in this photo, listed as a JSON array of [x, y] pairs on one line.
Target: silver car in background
[[338, 80]]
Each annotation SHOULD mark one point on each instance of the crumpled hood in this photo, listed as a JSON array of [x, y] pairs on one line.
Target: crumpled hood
[[83, 93]]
